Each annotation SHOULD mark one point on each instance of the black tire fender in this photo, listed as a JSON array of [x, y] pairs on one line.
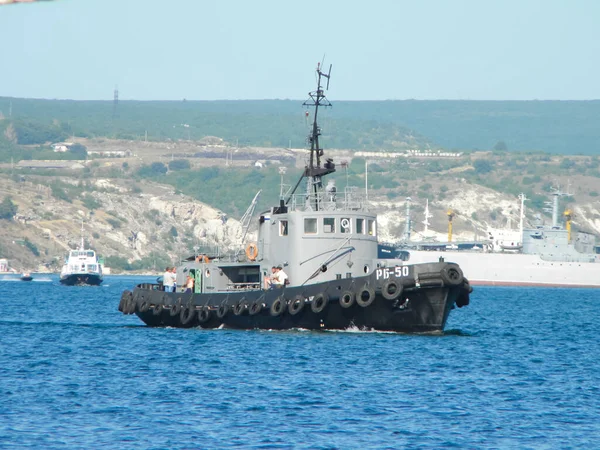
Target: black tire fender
[[125, 297], [204, 314], [240, 308], [255, 308], [131, 305], [319, 302], [391, 289], [278, 306], [296, 305], [347, 299], [452, 275], [158, 309], [366, 296], [144, 306], [187, 314], [176, 308], [223, 309]]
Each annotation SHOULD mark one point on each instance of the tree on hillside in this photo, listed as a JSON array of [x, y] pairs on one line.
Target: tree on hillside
[[156, 168], [7, 209], [500, 146], [179, 164], [79, 150], [482, 165]]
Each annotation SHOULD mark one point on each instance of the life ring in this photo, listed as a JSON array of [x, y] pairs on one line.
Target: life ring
[[452, 275], [187, 314], [319, 303], [347, 299], [366, 296], [391, 289], [345, 223], [158, 309], [278, 306], [202, 258], [296, 305], [252, 251], [176, 308], [204, 315]]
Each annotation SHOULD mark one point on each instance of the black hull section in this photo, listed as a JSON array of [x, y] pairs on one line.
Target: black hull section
[[26, 278], [399, 305], [81, 279]]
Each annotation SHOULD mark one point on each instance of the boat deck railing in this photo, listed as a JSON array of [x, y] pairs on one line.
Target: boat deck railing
[[242, 286], [351, 199]]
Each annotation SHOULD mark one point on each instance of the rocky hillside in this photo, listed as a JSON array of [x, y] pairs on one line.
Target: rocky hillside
[[150, 221], [137, 221]]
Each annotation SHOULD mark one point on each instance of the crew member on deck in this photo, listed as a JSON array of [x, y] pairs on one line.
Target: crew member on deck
[[189, 284], [168, 280], [270, 279], [280, 278]]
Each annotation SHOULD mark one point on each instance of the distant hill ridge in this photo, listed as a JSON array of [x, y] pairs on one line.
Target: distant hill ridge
[[560, 127]]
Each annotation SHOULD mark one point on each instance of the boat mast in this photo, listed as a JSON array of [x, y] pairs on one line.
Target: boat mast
[[521, 214], [82, 244], [313, 172]]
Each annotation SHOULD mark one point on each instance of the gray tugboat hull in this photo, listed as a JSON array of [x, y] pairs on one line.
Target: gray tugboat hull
[[422, 305]]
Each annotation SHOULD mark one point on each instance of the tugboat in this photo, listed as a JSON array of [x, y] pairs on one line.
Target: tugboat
[[326, 242], [81, 267]]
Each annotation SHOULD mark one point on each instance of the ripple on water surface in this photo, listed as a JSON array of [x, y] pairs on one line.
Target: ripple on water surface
[[514, 369]]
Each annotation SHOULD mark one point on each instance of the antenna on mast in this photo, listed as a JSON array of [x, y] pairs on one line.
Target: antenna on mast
[[82, 243], [314, 171]]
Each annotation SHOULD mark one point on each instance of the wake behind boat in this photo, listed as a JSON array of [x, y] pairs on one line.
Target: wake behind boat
[[81, 267], [326, 241]]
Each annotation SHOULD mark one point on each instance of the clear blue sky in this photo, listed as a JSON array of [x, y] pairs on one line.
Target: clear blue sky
[[243, 49]]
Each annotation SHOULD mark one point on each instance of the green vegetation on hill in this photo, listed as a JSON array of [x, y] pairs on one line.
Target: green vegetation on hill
[[564, 127]]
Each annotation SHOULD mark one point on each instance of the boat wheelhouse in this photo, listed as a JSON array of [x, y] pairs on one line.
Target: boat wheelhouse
[[82, 267]]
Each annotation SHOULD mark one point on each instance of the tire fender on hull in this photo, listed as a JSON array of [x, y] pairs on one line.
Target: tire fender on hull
[[319, 302], [391, 289], [366, 296], [187, 314], [278, 306], [452, 275], [347, 299]]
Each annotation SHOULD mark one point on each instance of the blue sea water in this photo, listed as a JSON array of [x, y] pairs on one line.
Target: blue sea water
[[518, 368]]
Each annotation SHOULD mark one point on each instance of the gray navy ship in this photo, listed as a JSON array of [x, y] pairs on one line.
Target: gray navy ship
[[326, 242], [543, 255]]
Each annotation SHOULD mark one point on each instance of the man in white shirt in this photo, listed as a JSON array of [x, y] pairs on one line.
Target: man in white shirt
[[168, 280], [280, 277]]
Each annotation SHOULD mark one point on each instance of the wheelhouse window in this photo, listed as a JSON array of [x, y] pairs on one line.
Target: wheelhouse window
[[360, 226], [310, 226], [371, 225], [345, 225], [328, 225], [283, 228]]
